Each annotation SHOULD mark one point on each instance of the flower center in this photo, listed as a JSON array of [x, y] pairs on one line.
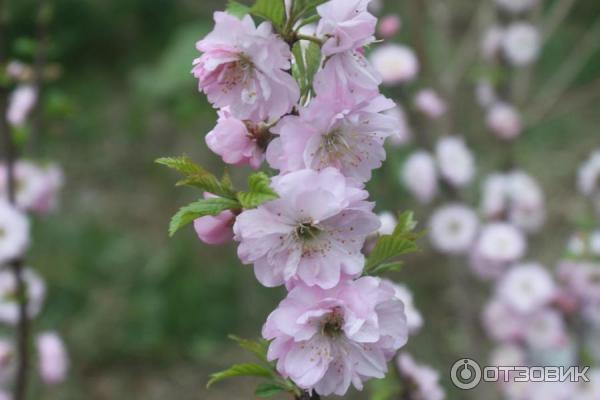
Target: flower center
[[333, 323], [306, 231]]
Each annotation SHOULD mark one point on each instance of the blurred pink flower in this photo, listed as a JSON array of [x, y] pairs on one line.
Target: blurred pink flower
[[498, 245], [313, 233], [491, 42], [504, 121], [244, 67], [21, 103], [527, 288], [588, 178], [395, 63], [422, 381], [36, 292], [453, 228], [419, 175], [53, 359], [430, 103], [516, 6], [502, 323], [7, 362], [334, 133], [546, 329], [346, 24], [404, 133], [238, 143], [14, 232], [455, 161], [389, 25], [521, 44], [324, 340], [38, 186]]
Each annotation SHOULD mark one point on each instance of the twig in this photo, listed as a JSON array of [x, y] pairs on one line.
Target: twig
[[565, 76], [10, 154], [307, 396], [556, 17]]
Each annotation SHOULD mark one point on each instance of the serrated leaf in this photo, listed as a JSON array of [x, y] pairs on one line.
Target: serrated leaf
[[182, 164], [299, 68], [271, 10], [402, 241], [237, 9], [303, 7], [258, 348], [259, 191], [200, 208], [269, 389], [197, 176], [240, 370], [386, 267]]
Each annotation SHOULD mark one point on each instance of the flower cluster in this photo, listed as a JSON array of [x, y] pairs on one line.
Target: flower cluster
[[336, 327], [26, 187]]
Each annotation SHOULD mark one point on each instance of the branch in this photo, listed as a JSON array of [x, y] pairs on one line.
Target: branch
[[10, 154], [546, 99]]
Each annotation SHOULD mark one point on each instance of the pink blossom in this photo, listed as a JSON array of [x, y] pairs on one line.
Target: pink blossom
[[244, 67], [346, 24], [491, 42], [21, 103], [414, 319], [215, 230], [504, 121], [326, 339], [521, 44], [501, 242], [348, 72], [340, 134], [527, 288], [238, 143], [395, 63], [502, 323], [7, 361], [453, 228], [546, 329], [313, 233], [419, 175], [53, 359], [455, 161], [404, 133], [14, 232], [586, 281], [430, 103], [36, 292], [37, 186], [389, 25], [422, 382]]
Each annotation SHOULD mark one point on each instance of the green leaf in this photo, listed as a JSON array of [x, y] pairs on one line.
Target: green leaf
[[303, 7], [313, 62], [386, 267], [269, 389], [260, 192], [258, 348], [199, 209], [198, 177], [237, 9], [241, 370], [299, 67], [402, 241], [271, 10]]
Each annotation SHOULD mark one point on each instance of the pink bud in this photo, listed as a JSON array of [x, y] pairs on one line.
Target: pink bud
[[430, 103], [389, 25], [504, 121], [53, 359], [215, 230]]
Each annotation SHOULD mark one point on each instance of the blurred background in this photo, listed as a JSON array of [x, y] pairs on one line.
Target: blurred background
[[146, 317]]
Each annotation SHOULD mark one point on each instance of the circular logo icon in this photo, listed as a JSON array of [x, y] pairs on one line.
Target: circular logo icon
[[465, 374]]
